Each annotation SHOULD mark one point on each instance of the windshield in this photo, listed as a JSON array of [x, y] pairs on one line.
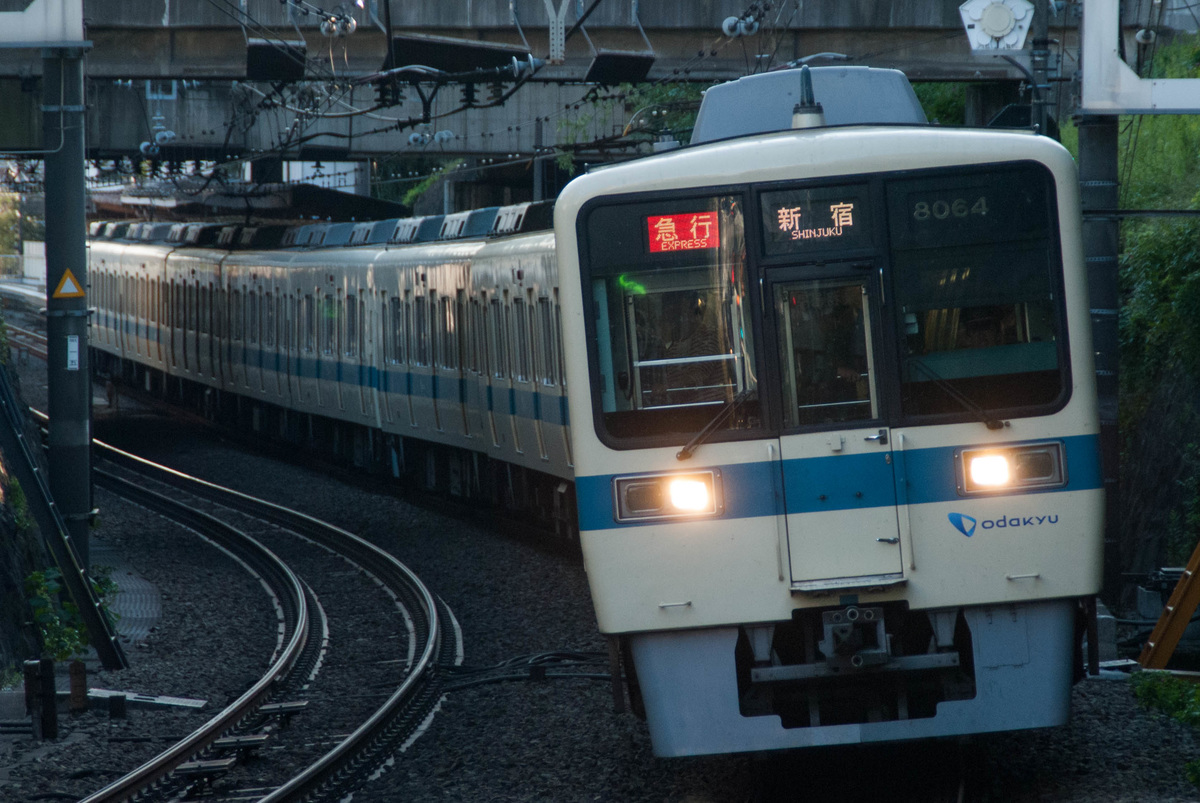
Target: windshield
[[923, 296], [673, 337]]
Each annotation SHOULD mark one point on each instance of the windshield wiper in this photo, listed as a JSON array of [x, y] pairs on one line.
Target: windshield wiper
[[954, 393], [717, 420]]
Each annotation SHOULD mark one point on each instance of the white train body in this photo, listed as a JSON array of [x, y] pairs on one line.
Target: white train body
[[831, 571], [792, 360], [381, 347]]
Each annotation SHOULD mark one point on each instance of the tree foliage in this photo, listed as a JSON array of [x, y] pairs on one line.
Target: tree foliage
[[944, 103], [1160, 266], [644, 113], [1160, 300]]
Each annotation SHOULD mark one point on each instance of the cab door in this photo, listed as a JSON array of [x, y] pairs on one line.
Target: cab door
[[838, 479]]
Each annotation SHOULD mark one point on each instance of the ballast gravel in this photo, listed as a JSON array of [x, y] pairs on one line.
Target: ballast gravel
[[553, 740]]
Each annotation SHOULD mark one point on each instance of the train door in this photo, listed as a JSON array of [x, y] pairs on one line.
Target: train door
[[838, 479]]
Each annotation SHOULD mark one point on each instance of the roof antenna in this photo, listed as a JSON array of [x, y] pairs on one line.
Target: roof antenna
[[807, 113]]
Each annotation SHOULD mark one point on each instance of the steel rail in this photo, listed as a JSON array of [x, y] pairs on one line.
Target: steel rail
[[162, 765], [35, 342], [402, 579]]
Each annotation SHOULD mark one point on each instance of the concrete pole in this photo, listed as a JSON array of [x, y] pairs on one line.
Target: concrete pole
[[1098, 182], [68, 371]]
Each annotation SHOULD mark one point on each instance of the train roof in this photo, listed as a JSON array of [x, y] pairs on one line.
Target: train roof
[[758, 104], [492, 221]]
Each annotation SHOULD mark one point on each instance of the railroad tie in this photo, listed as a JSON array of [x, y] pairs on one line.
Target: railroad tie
[[243, 745], [205, 771], [284, 711]]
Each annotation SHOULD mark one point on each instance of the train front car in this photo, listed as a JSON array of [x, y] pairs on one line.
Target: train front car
[[835, 432]]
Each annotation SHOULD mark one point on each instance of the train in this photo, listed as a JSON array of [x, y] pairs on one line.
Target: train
[[815, 393]]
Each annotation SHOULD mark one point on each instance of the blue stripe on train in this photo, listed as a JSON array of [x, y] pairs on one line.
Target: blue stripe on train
[[749, 488], [550, 407]]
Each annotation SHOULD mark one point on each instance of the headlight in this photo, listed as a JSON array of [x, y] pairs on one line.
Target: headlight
[[668, 496], [689, 494], [1008, 468], [989, 470]]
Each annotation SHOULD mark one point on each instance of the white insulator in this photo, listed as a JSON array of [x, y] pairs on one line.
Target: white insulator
[[747, 26], [730, 26]]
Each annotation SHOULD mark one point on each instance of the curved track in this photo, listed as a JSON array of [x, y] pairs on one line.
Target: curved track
[[354, 757]]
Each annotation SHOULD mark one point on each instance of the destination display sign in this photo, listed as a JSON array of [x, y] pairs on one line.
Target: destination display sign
[[815, 219], [690, 232], [662, 233]]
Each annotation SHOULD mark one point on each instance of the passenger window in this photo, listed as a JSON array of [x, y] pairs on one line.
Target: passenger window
[[421, 329], [205, 310], [498, 341], [268, 321], [447, 335], [190, 291], [404, 328], [462, 337], [558, 350], [329, 321], [308, 320], [476, 354], [253, 317], [351, 337], [547, 362], [521, 355]]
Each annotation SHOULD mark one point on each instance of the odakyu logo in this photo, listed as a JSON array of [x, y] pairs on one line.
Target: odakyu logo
[[967, 524], [964, 524]]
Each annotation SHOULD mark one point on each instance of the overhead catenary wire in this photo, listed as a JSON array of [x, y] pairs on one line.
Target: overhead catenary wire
[[300, 134]]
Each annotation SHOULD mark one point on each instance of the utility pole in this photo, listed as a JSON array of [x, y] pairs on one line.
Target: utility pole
[[1099, 190], [68, 373], [539, 164], [1039, 62]]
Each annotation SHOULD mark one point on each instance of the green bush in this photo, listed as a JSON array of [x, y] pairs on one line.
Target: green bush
[[1177, 698], [59, 622]]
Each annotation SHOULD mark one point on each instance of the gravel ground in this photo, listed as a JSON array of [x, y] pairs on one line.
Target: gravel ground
[[210, 646], [555, 740]]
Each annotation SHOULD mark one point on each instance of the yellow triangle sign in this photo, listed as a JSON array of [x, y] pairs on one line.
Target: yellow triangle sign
[[69, 287]]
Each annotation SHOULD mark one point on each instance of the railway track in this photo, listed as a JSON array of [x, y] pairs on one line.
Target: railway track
[[28, 341], [208, 758]]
